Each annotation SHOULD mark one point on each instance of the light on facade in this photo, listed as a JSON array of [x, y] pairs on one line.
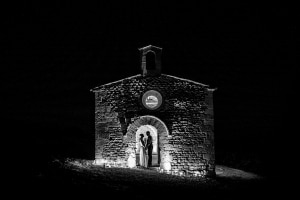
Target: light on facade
[[131, 161], [99, 162], [167, 166]]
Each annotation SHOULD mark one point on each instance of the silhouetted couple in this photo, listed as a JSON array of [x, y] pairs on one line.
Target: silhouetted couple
[[146, 148]]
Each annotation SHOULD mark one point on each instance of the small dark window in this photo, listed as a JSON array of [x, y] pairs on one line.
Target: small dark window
[[129, 114], [150, 61], [122, 120]]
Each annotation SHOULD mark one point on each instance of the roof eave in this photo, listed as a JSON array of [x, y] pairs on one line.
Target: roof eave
[[138, 75], [103, 85]]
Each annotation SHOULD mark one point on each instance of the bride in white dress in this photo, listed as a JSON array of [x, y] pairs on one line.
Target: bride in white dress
[[143, 157]]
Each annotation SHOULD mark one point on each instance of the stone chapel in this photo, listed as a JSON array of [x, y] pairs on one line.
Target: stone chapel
[[177, 112]]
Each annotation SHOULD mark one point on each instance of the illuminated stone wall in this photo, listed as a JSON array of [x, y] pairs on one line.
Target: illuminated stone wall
[[186, 148]]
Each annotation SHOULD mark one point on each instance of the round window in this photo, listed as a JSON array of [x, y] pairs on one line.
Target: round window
[[152, 99]]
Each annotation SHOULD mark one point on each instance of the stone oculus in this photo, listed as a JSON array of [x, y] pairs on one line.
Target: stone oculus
[[152, 99], [177, 112]]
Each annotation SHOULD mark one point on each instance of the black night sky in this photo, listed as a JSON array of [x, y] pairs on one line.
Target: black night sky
[[54, 53]]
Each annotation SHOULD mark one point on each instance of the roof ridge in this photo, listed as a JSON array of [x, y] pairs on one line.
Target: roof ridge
[[95, 88], [183, 79], [139, 75]]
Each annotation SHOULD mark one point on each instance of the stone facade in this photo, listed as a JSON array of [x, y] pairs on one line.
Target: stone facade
[[183, 123]]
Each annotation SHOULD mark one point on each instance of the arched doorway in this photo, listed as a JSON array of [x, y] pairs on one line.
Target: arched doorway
[[159, 133]]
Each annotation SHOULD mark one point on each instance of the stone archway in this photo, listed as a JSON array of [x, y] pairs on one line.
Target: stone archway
[[157, 129]]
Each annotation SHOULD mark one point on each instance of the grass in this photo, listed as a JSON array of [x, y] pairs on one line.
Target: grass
[[73, 179], [37, 169]]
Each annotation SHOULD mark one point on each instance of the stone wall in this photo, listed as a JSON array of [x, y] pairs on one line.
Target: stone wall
[[186, 113]]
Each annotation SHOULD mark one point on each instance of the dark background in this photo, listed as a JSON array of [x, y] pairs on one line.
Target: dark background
[[55, 52]]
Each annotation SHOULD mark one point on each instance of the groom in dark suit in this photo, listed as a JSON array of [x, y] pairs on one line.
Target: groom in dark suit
[[149, 147]]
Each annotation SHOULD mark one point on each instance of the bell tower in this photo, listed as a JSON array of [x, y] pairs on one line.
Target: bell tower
[[150, 60]]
